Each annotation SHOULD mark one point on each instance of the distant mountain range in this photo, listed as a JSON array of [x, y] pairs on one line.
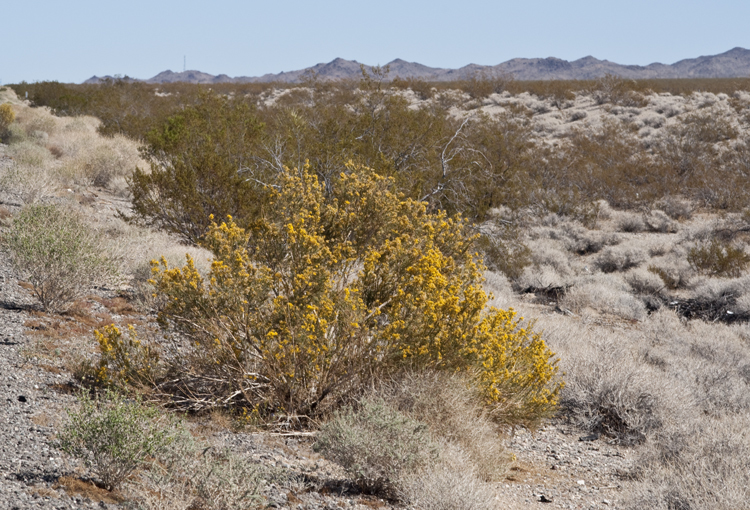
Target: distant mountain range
[[734, 63]]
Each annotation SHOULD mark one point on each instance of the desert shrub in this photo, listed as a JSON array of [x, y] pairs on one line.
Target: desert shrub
[[583, 241], [113, 436], [480, 85], [57, 252], [196, 158], [454, 414], [326, 293], [504, 251], [608, 163], [629, 222], [620, 258], [189, 473], [617, 91], [7, 116], [718, 258], [698, 465], [603, 293], [643, 281], [659, 221], [376, 444], [677, 208], [450, 483], [124, 359], [97, 160], [674, 275]]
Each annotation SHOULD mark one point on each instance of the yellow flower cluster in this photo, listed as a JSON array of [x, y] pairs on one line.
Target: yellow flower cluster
[[123, 358]]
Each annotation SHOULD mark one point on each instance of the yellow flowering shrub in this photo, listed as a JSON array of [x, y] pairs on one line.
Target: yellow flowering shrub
[[337, 285], [123, 358], [7, 116]]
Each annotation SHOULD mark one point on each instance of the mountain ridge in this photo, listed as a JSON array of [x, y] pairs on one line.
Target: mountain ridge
[[734, 63]]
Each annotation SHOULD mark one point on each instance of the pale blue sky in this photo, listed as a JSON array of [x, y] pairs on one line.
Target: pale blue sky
[[72, 40]]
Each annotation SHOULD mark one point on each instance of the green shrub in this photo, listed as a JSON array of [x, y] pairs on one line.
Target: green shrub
[[113, 436], [376, 444], [58, 253], [196, 158], [718, 258]]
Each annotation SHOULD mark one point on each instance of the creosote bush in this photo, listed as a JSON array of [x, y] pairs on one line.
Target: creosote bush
[[718, 258], [58, 253], [325, 293]]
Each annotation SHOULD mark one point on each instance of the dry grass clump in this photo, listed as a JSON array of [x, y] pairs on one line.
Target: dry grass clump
[[423, 438], [674, 270], [702, 465], [454, 414], [499, 289], [620, 258], [659, 221], [676, 207], [678, 388], [608, 390], [643, 281], [451, 483], [541, 278], [603, 293], [629, 222], [53, 152]]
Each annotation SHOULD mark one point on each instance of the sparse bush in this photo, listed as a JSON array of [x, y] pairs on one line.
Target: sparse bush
[[617, 91], [377, 445], [191, 474], [718, 258], [57, 252], [697, 466], [113, 436], [450, 483], [674, 275], [504, 251]]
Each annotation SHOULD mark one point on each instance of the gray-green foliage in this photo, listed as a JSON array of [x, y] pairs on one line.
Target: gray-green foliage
[[376, 444], [114, 436], [57, 252], [211, 478]]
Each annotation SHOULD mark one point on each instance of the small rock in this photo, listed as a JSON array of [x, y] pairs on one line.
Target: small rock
[[22, 398], [581, 482], [545, 499]]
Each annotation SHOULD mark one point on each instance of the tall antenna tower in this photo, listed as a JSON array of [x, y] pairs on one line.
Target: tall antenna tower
[[184, 62]]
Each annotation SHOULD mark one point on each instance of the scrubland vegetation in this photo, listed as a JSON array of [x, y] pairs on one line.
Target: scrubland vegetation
[[360, 254]]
